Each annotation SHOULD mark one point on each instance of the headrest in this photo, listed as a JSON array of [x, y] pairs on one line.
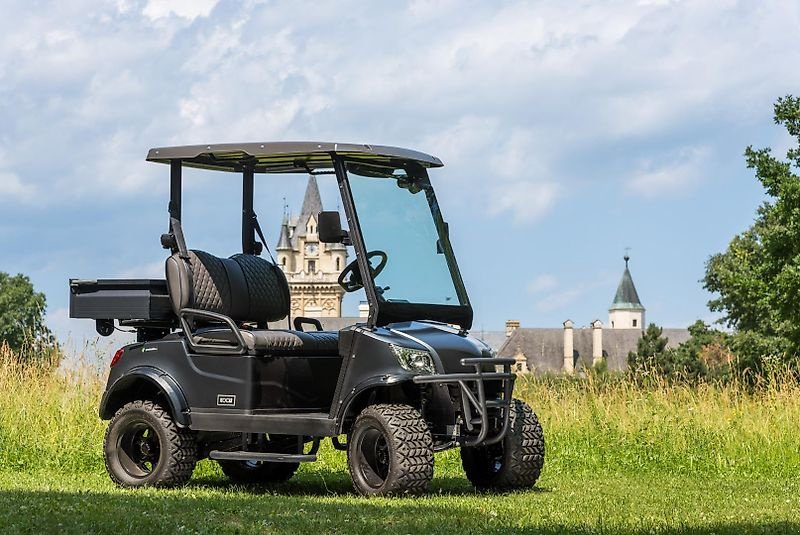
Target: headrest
[[243, 287]]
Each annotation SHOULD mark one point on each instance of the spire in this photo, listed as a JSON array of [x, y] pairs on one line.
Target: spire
[[284, 243], [626, 297], [312, 205]]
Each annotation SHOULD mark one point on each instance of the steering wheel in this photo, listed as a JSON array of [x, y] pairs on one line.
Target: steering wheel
[[354, 281]]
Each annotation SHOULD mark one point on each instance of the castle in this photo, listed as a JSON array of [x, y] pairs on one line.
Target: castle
[[311, 267], [570, 348]]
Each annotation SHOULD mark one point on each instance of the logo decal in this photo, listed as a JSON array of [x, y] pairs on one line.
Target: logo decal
[[226, 400]]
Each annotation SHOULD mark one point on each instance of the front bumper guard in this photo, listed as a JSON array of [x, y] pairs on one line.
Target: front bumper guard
[[474, 401]]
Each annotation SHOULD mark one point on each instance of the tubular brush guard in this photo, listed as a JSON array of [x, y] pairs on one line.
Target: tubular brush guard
[[474, 400]]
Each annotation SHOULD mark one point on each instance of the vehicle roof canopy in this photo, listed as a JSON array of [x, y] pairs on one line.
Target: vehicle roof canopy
[[284, 156]]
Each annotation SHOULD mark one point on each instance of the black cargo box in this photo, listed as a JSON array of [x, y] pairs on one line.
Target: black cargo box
[[120, 299]]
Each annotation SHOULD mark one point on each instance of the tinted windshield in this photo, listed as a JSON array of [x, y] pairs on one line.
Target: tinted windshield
[[398, 216]]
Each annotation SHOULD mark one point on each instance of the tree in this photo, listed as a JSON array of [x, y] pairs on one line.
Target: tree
[[757, 279], [22, 314], [650, 350]]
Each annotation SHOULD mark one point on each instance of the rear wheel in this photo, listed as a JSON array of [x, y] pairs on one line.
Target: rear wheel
[[390, 451], [144, 447], [514, 462]]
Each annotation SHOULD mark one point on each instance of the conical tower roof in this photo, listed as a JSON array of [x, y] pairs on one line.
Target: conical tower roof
[[626, 297], [312, 205], [284, 243]]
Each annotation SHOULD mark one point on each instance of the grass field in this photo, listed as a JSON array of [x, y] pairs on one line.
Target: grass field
[[620, 459]]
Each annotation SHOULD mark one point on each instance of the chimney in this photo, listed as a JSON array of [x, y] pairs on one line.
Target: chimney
[[597, 342], [511, 326], [569, 348]]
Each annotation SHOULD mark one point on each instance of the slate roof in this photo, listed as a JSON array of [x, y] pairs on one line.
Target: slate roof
[[312, 205], [284, 242], [626, 297], [544, 348]]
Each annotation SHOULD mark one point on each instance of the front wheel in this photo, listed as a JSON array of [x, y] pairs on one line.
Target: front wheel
[[514, 462], [390, 451], [144, 447]]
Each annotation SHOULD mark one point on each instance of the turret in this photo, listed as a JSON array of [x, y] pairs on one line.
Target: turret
[[626, 312]]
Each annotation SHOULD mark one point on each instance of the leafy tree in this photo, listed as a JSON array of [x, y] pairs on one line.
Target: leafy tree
[[704, 354], [757, 279], [22, 315], [650, 350]]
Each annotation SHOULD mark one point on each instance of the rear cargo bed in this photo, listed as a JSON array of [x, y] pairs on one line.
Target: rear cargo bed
[[120, 299]]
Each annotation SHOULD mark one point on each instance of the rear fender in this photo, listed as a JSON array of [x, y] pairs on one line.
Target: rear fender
[[146, 382]]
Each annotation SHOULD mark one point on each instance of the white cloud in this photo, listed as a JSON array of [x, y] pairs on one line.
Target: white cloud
[[505, 94], [676, 175], [151, 270], [542, 283], [12, 189], [187, 9], [525, 201], [559, 300]]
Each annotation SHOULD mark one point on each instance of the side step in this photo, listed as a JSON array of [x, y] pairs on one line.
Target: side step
[[256, 456], [313, 424]]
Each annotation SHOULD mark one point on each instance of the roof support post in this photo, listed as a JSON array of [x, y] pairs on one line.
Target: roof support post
[[248, 236], [175, 189]]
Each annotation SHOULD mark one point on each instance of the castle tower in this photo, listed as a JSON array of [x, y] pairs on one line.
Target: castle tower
[[626, 312], [311, 267]]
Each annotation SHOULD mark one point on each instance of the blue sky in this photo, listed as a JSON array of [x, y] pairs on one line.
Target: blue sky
[[569, 131]]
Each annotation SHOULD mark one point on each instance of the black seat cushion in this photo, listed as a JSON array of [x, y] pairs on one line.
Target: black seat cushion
[[278, 342], [243, 287]]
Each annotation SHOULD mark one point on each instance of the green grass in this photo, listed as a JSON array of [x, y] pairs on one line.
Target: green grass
[[620, 459]]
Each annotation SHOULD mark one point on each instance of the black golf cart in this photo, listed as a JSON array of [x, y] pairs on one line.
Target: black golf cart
[[211, 377]]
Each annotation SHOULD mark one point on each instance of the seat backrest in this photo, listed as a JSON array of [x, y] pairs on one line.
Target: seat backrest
[[242, 287]]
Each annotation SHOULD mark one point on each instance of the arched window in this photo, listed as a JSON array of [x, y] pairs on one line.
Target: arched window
[[338, 265], [283, 261]]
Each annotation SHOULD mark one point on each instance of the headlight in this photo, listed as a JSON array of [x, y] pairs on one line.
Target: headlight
[[413, 360]]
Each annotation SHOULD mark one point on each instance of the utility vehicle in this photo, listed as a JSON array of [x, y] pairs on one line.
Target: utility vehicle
[[209, 377]]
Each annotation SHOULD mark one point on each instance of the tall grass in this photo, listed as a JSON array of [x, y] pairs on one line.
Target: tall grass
[[48, 420], [48, 415], [611, 424]]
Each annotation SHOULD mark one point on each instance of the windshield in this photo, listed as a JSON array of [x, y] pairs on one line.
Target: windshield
[[398, 216]]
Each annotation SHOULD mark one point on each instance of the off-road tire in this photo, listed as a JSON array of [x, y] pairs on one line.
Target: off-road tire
[[264, 472], [402, 436], [176, 455], [514, 462]]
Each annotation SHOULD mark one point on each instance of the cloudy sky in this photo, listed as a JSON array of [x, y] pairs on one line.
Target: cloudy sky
[[569, 131]]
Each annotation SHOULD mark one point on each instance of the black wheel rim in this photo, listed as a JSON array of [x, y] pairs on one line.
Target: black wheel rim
[[373, 457], [139, 449], [491, 458]]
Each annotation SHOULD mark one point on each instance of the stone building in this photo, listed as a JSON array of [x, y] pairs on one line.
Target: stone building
[[570, 348], [311, 267]]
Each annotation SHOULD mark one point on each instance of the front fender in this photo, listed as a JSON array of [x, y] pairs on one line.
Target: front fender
[[366, 386], [145, 378]]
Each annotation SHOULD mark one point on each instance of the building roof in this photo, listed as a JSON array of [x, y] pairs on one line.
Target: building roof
[[284, 242], [312, 205], [626, 297], [283, 156], [544, 348]]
